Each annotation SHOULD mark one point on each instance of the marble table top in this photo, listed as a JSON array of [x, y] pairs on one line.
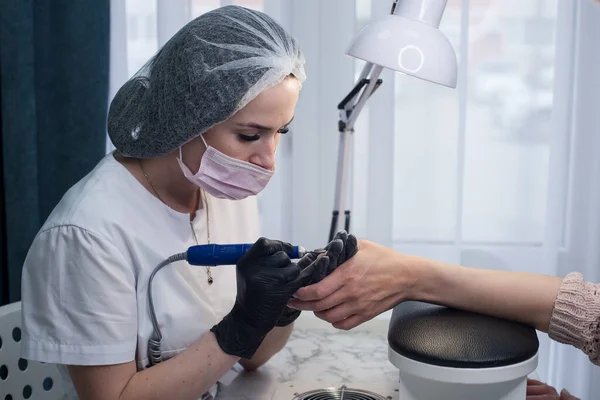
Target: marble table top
[[320, 356]]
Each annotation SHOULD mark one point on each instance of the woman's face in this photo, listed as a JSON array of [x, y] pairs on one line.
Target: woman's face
[[252, 134]]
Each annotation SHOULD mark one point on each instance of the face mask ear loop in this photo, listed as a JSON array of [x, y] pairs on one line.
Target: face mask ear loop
[[180, 147], [205, 145]]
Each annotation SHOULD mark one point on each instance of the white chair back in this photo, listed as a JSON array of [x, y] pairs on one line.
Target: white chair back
[[19, 378]]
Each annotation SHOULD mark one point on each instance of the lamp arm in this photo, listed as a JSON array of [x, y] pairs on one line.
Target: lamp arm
[[350, 108], [373, 82]]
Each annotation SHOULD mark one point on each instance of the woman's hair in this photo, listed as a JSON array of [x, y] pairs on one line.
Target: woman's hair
[[207, 71]]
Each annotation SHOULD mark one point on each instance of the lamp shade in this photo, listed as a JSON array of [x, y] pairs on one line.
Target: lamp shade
[[410, 42]]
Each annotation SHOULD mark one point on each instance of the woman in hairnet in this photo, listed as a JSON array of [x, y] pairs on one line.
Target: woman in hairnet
[[196, 131]]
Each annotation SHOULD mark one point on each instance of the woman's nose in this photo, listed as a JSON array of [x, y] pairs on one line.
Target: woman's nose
[[265, 156]]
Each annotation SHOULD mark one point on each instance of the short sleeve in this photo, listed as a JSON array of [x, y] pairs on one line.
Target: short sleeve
[[78, 300]]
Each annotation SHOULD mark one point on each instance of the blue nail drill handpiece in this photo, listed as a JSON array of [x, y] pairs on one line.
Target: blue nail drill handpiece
[[211, 255]]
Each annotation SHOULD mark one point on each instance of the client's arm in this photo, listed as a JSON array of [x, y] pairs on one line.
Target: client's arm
[[519, 296], [377, 278]]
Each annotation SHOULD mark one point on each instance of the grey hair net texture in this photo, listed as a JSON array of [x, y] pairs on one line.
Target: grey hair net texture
[[211, 68]]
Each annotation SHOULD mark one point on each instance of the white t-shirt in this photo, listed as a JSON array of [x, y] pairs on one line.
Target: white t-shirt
[[85, 278]]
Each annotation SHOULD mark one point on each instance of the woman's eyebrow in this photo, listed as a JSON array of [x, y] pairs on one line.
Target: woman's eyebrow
[[262, 127]]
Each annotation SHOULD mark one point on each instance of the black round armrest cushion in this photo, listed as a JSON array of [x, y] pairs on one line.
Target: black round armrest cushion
[[448, 337]]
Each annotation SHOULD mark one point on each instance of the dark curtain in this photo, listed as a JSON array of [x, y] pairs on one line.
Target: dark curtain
[[54, 62]]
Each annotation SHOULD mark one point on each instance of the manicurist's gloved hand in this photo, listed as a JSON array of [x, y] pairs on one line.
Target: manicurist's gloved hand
[[319, 269], [266, 279], [342, 248], [339, 255]]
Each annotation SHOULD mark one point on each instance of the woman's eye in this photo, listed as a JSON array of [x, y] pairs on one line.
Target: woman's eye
[[283, 130], [249, 138]]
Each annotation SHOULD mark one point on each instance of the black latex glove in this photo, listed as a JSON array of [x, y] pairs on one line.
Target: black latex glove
[[289, 314], [266, 279], [342, 248], [338, 256]]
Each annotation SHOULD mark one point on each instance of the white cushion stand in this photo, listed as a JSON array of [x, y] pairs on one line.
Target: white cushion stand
[[443, 353]]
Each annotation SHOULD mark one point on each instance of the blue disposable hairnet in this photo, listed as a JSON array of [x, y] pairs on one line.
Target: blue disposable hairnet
[[210, 69]]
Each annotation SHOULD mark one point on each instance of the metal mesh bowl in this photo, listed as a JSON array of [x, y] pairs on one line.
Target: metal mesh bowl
[[341, 393]]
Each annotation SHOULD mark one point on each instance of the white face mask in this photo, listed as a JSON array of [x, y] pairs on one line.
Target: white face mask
[[226, 177]]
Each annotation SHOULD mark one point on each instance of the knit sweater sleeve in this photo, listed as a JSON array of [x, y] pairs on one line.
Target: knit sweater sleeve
[[576, 316]]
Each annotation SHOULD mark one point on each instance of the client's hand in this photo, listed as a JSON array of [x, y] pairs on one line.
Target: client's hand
[[371, 282], [266, 279], [537, 390]]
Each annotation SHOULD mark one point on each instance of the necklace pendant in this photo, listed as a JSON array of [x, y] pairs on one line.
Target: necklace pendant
[[210, 280]]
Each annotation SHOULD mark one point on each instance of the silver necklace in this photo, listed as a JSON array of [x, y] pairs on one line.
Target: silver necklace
[[204, 202]]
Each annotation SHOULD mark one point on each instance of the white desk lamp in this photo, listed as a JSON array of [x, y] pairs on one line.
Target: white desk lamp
[[406, 41]]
